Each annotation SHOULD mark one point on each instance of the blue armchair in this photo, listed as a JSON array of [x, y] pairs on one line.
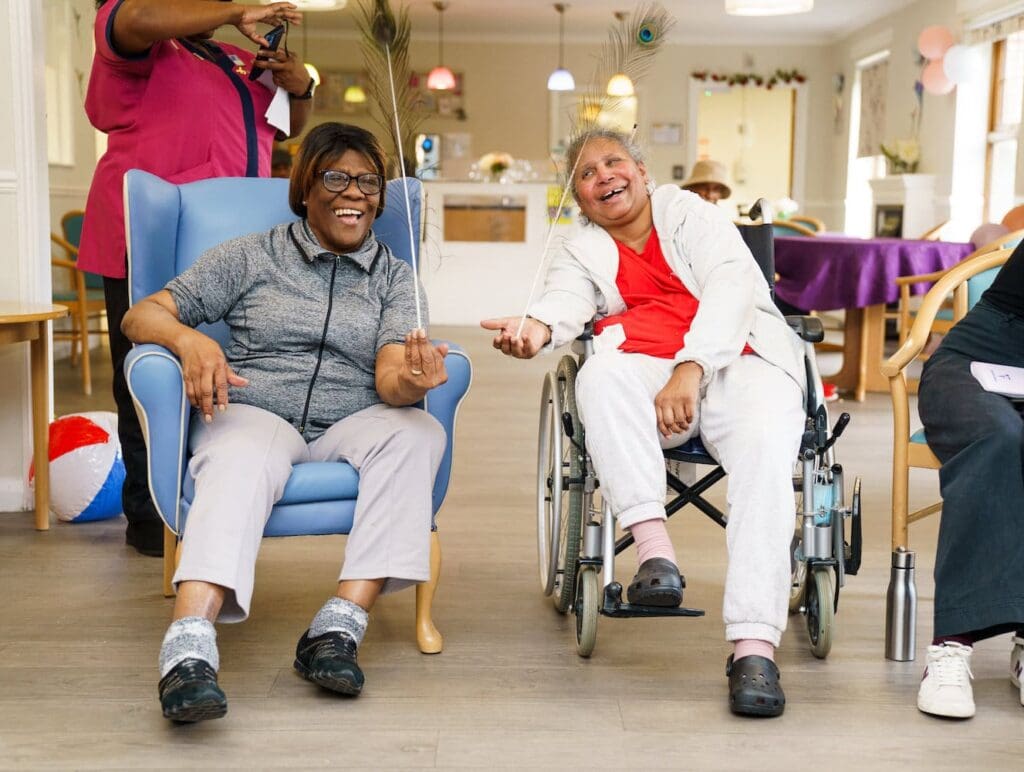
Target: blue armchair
[[168, 227]]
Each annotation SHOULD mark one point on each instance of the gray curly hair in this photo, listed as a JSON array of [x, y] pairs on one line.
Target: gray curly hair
[[576, 147]]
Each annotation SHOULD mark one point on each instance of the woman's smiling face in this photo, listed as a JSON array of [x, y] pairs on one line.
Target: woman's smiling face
[[611, 188], [342, 220]]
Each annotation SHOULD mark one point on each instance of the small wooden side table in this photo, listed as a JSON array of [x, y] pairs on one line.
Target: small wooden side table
[[26, 322]]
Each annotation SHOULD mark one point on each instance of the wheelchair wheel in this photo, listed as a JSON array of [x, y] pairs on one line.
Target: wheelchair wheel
[[571, 530], [820, 612], [588, 600], [550, 452]]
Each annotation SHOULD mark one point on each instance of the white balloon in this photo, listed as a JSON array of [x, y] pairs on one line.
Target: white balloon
[[963, 64]]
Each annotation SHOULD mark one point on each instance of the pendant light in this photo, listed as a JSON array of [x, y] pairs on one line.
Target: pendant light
[[440, 78], [561, 79], [619, 85], [767, 7]]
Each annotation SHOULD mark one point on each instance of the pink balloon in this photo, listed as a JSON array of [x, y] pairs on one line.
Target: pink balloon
[[934, 41], [987, 233], [934, 79]]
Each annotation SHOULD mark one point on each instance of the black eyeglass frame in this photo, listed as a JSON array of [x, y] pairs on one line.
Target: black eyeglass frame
[[359, 179]]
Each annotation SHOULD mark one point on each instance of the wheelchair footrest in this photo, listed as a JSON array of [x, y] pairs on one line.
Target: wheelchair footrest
[[614, 607]]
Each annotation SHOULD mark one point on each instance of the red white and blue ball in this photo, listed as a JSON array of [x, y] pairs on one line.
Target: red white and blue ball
[[86, 468]]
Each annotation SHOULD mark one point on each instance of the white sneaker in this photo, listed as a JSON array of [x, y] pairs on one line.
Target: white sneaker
[[1017, 665], [946, 686]]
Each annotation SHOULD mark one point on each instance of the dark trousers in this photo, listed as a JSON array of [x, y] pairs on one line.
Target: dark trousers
[[979, 438], [138, 506]]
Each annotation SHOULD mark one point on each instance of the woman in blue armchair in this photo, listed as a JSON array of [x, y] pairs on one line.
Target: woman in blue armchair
[[324, 361]]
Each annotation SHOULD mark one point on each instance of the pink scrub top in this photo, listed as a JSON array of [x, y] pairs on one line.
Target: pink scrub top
[[170, 112]]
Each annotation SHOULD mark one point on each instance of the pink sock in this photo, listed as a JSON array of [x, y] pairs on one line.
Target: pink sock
[[746, 647], [652, 541]]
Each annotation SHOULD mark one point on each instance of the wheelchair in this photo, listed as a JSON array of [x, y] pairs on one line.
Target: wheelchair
[[576, 542]]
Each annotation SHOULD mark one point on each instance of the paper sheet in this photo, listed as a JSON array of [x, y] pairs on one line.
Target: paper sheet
[[1000, 379], [279, 113]]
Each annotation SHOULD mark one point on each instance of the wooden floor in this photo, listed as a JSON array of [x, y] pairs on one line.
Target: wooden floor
[[83, 619]]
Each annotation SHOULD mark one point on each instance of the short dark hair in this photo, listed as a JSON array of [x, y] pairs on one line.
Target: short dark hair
[[324, 145]]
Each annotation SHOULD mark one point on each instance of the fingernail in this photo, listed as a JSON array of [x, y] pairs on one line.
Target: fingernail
[[222, 408], [207, 417]]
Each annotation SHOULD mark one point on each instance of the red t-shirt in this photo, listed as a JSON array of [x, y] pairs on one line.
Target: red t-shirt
[[659, 308]]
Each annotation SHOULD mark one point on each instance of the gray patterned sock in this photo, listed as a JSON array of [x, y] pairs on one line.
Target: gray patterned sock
[[340, 615], [189, 638]]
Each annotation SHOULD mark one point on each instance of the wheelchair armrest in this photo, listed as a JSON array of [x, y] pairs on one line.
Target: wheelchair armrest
[[443, 403], [588, 332], [158, 391], [808, 328]]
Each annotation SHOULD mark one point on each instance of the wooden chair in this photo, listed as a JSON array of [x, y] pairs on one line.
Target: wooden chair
[[934, 234], [813, 223], [790, 228], [83, 302], [944, 318], [966, 280]]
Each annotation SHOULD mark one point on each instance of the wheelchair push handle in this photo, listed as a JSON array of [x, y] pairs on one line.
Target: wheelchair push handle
[[837, 431]]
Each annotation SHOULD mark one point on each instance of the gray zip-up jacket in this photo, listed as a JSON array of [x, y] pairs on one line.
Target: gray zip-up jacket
[[305, 324]]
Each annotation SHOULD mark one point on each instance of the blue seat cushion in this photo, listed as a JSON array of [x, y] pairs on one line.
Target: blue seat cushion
[[918, 437], [692, 451], [312, 482], [311, 519]]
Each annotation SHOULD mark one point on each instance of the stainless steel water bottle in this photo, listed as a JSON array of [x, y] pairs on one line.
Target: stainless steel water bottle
[[901, 608]]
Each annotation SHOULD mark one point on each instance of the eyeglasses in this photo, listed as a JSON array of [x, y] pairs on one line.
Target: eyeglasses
[[338, 182]]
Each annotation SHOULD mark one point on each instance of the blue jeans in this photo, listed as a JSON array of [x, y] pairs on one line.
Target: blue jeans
[[979, 438]]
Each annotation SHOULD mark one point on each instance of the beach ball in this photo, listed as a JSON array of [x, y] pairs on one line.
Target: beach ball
[[86, 468]]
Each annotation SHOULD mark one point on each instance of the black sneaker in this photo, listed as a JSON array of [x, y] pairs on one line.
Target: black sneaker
[[189, 692], [329, 660], [147, 537]]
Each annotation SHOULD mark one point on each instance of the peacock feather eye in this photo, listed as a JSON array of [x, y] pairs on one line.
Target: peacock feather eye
[[645, 34]]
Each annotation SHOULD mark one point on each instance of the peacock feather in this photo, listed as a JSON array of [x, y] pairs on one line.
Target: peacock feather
[[630, 51], [386, 34]]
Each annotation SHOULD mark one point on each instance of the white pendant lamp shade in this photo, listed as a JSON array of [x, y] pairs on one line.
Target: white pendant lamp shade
[[561, 79], [355, 95], [440, 78], [767, 7]]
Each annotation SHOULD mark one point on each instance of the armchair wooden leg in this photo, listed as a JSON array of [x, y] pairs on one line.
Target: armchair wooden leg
[[427, 636], [83, 323], [171, 557]]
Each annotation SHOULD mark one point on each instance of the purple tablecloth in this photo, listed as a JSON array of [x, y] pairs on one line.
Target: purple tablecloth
[[822, 273]]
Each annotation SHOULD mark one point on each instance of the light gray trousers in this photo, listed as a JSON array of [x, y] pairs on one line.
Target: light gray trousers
[[750, 419], [242, 460]]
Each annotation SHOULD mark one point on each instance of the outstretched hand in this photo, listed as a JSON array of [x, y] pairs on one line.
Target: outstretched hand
[[533, 338], [424, 362], [273, 14]]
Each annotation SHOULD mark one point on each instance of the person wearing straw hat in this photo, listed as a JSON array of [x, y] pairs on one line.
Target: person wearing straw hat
[[707, 180]]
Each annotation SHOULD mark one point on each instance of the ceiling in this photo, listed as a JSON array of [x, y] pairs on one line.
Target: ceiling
[[697, 21]]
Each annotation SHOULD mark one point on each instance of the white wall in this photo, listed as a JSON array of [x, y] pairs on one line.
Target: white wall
[[24, 260]]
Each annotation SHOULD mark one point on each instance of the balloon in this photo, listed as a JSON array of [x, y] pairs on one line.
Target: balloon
[[934, 41], [987, 233], [1014, 219], [935, 80], [963, 64]]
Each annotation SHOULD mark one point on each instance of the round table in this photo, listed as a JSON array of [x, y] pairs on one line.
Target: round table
[[26, 322], [823, 273]]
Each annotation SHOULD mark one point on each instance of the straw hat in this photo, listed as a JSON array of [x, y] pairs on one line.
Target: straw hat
[[708, 172]]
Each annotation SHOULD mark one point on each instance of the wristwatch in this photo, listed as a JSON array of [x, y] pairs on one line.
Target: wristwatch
[[309, 90]]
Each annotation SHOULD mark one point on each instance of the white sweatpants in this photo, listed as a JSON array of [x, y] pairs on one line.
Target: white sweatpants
[[242, 460], [750, 418]]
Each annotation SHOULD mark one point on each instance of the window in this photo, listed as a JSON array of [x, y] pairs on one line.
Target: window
[[1004, 125], [867, 124], [59, 84]]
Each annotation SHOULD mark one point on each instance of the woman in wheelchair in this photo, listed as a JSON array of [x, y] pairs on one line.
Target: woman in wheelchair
[[295, 385], [687, 340]]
